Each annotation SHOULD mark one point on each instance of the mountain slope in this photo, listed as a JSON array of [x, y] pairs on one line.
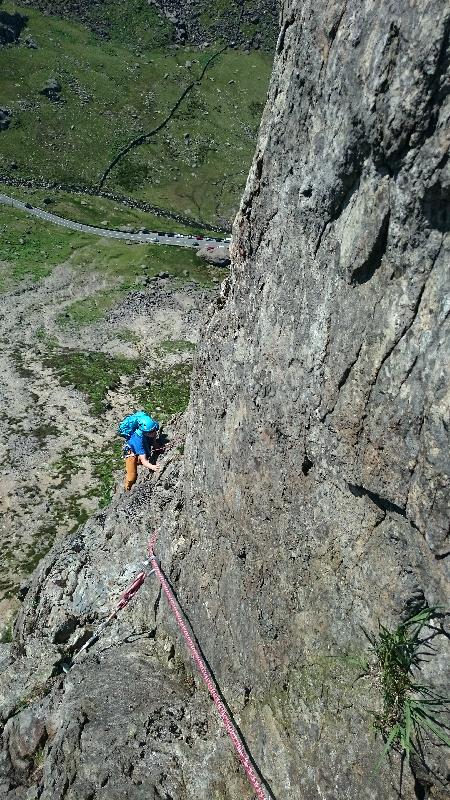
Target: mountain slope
[[75, 99]]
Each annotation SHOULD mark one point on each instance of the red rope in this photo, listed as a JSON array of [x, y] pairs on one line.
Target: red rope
[[206, 675]]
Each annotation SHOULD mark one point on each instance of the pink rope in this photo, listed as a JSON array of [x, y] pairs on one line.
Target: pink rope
[[204, 672]]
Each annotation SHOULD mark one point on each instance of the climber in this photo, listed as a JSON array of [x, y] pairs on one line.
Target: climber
[[140, 432]]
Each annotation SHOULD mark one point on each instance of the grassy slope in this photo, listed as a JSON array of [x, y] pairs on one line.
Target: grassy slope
[[99, 211], [112, 93], [30, 248]]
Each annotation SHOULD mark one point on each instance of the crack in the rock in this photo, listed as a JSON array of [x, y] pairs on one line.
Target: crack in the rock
[[157, 602], [367, 270], [349, 185], [341, 383], [408, 372], [382, 502], [83, 722], [408, 325], [334, 29], [397, 340], [286, 25], [263, 231]]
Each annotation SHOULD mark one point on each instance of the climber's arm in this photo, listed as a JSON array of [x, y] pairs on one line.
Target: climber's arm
[[146, 463]]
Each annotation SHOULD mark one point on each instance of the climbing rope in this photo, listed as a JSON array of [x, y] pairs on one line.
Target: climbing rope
[[206, 675], [124, 599]]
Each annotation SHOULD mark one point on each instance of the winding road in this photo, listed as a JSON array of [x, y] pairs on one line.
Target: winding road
[[177, 239]]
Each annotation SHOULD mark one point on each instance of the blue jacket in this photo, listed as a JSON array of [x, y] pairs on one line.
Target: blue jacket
[[138, 444]]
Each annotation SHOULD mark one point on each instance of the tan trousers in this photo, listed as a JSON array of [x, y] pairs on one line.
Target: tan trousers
[[131, 464]]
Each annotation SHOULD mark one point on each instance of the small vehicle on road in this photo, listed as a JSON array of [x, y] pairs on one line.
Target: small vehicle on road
[[28, 205], [199, 237]]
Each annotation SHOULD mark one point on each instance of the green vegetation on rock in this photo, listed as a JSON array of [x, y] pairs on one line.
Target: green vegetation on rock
[[166, 392], [93, 374], [91, 309], [6, 635], [106, 464], [176, 346], [410, 709]]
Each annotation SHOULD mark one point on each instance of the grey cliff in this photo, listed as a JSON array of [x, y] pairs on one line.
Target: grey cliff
[[312, 497]]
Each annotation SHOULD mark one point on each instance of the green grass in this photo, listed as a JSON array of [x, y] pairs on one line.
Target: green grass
[[166, 392], [135, 22], [111, 94], [106, 464], [125, 262], [65, 466], [93, 374], [176, 346], [7, 634], [410, 709], [91, 309], [31, 249], [99, 211], [126, 335]]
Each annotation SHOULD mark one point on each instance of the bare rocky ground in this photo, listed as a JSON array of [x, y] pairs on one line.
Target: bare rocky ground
[[51, 443]]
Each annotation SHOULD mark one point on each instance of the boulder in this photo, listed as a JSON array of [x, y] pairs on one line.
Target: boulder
[[218, 255], [11, 26], [52, 89], [5, 118]]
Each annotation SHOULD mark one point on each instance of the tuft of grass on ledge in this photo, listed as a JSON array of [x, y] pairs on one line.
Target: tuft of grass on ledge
[[410, 710], [176, 346]]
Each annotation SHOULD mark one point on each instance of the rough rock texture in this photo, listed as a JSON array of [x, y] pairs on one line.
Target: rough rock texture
[[127, 721], [317, 495], [195, 22], [315, 469], [52, 89]]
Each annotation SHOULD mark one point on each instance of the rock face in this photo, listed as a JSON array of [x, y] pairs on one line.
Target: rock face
[[317, 489], [313, 496]]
